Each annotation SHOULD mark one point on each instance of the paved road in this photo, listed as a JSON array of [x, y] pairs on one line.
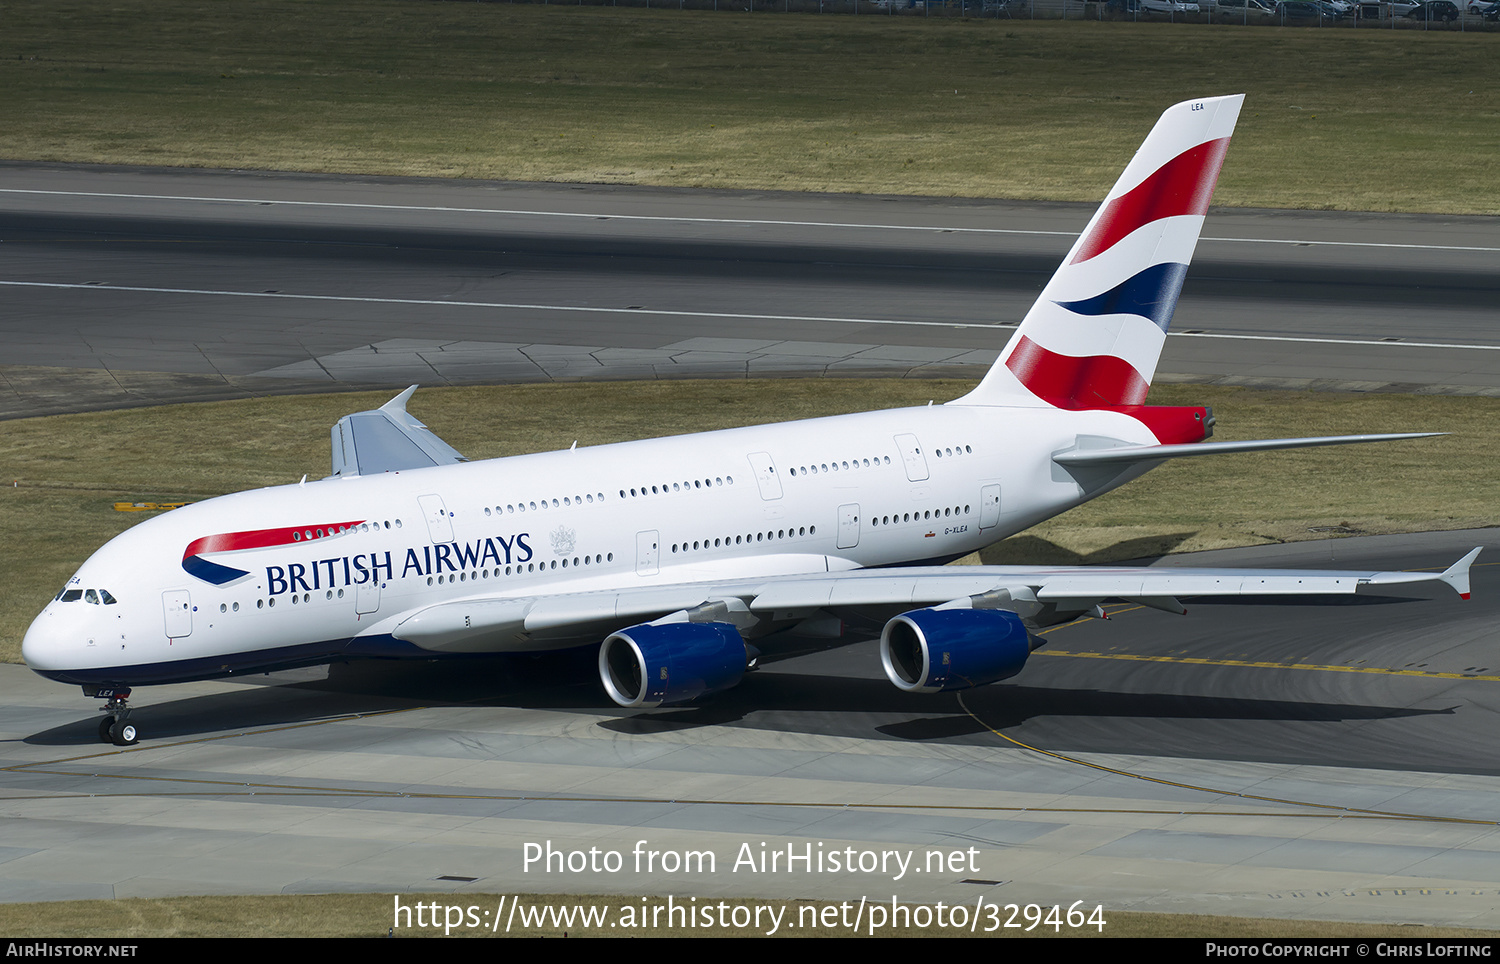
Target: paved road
[[127, 286]]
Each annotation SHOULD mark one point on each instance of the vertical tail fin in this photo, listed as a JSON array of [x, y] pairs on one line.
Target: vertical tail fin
[[1093, 337]]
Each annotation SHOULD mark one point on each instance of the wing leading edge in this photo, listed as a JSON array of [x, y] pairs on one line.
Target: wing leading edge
[[1039, 596]]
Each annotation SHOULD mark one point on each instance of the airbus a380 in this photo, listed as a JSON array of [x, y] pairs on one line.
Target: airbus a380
[[677, 552]]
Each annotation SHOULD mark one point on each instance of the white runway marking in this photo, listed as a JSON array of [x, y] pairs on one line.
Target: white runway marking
[[600, 216], [587, 309]]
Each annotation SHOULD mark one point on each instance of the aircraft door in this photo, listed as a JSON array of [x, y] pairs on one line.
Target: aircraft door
[[765, 476], [912, 458], [439, 525], [177, 612], [989, 506], [848, 526], [367, 595], [647, 553]]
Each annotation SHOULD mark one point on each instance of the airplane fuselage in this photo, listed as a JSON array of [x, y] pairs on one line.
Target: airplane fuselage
[[323, 570]]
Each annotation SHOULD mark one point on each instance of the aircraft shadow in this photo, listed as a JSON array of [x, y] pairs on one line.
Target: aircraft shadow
[[1066, 716], [1024, 550], [555, 680]]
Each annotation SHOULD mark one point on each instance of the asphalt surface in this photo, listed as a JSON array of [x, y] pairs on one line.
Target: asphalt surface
[[1288, 761], [127, 286]]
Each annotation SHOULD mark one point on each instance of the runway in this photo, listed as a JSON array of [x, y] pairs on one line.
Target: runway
[[133, 286], [1283, 761]]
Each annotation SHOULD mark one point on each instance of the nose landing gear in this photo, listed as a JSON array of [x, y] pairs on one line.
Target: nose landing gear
[[115, 728]]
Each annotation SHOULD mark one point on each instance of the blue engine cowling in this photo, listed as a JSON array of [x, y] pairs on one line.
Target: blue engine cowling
[[933, 650], [646, 665]]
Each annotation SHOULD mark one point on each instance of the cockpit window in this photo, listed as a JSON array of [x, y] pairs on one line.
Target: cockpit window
[[93, 596]]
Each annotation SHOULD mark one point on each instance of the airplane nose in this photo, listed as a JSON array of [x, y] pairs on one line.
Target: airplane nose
[[39, 648]]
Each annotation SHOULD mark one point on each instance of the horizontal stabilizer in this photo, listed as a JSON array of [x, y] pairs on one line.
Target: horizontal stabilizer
[[1125, 454], [387, 439]]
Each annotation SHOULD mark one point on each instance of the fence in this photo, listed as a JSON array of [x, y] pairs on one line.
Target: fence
[[1379, 15]]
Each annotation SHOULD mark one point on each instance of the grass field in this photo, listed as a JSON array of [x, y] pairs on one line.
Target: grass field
[[69, 470], [1348, 119], [370, 915]]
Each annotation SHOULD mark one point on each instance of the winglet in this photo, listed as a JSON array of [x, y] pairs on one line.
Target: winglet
[[1457, 575], [398, 404], [387, 439]]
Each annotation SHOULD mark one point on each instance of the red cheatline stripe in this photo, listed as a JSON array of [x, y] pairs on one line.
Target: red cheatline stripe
[[259, 538], [1094, 381], [1183, 185]]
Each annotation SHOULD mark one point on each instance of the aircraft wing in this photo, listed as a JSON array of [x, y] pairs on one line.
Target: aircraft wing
[[1041, 596], [387, 439]]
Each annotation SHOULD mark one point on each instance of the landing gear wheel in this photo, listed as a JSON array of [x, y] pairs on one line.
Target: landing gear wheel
[[122, 733], [113, 728]]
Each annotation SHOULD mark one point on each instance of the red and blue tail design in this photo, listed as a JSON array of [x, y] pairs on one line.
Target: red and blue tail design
[[1093, 338], [194, 564]]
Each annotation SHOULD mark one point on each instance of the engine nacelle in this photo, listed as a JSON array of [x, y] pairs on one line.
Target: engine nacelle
[[932, 650], [648, 665]]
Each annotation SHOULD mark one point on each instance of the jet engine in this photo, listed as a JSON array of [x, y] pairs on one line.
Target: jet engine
[[933, 650], [650, 664]]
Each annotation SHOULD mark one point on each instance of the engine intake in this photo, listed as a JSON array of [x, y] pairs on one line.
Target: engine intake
[[650, 665], [934, 650]]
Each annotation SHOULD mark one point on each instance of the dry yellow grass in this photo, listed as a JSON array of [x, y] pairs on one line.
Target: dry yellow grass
[[1349, 119]]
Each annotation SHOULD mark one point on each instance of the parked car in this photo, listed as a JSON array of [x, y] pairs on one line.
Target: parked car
[[1492, 12], [1244, 8], [1434, 10], [1168, 6], [1306, 10]]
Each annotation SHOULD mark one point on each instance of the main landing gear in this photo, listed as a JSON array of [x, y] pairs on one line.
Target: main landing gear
[[115, 727]]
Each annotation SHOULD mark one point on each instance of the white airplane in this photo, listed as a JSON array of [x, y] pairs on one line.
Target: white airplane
[[675, 552]]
